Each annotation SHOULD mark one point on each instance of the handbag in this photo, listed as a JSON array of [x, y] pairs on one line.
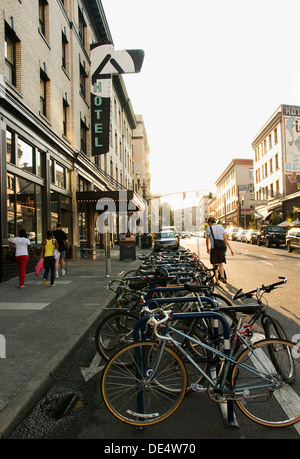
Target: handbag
[[11, 255], [39, 267], [56, 254], [219, 244]]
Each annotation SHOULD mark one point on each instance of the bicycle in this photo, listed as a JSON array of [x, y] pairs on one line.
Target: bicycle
[[146, 382], [116, 329], [271, 326]]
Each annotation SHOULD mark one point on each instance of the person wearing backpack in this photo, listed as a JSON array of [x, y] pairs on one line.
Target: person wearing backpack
[[216, 244]]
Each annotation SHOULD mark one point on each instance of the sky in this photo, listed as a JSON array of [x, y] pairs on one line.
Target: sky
[[214, 72]]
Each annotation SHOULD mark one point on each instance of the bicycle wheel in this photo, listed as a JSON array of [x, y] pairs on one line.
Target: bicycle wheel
[[114, 332], [269, 394], [273, 329], [148, 390]]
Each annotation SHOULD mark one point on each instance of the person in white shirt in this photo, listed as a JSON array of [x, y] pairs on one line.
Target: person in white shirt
[[217, 256], [22, 244]]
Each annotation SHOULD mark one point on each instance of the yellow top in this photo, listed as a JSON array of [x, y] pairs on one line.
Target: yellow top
[[49, 248]]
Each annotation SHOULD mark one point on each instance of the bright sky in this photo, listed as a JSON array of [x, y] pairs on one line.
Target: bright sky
[[214, 72]]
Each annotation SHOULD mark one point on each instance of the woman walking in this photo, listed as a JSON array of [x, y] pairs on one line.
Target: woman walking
[[22, 244], [48, 245]]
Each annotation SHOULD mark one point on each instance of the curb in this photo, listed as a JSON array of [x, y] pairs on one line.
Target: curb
[[26, 399]]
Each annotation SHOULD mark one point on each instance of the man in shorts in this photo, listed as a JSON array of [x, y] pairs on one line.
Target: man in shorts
[[63, 245], [217, 256]]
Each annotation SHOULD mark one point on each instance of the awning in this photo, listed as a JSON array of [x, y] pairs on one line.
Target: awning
[[125, 200], [262, 214], [266, 216]]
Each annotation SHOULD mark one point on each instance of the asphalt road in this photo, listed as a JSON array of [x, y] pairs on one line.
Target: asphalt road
[[73, 407]]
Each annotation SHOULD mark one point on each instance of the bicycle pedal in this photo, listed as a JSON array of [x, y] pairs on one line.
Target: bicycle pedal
[[198, 388]]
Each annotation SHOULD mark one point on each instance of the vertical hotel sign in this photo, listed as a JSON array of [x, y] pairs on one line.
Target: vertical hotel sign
[[291, 130], [105, 63]]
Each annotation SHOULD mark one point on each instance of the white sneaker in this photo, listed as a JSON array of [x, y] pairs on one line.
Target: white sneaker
[[63, 272], [56, 275]]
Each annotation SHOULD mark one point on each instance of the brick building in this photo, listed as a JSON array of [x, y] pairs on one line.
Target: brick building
[[48, 171]]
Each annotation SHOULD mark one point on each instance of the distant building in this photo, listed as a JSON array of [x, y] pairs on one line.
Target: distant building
[[233, 203]]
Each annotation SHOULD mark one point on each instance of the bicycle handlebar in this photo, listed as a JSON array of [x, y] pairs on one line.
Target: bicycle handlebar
[[265, 288]]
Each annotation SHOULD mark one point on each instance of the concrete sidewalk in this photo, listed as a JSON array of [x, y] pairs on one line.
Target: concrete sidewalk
[[41, 327]]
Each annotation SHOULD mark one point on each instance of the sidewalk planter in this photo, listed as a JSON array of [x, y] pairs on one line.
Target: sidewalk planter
[[127, 249]]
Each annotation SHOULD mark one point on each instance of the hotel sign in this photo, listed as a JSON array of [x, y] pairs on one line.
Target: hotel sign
[[105, 63]]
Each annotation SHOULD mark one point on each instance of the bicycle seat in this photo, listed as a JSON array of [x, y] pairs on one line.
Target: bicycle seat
[[195, 288], [139, 285]]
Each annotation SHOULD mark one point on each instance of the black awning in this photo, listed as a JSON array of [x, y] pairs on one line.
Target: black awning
[[122, 199]]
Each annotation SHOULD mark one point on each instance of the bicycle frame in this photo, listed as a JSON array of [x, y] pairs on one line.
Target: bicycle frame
[[224, 355]]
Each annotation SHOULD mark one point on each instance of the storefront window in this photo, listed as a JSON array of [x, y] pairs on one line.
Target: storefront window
[[60, 176], [82, 226], [25, 209], [10, 151], [40, 164], [39, 214], [10, 206], [53, 210], [25, 156]]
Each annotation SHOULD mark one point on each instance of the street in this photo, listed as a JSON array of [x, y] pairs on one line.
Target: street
[[198, 417]]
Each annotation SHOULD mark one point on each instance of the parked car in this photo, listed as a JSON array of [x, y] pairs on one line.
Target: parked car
[[271, 235], [185, 234], [165, 240], [293, 239], [241, 235], [251, 236], [232, 233]]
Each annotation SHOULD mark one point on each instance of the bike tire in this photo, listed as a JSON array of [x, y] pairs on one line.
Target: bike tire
[[271, 398], [273, 328], [148, 390], [114, 332]]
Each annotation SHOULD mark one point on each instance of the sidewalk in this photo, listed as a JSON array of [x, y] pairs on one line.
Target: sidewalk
[[41, 328]]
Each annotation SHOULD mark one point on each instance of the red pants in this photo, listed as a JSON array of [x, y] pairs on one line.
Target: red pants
[[22, 261]]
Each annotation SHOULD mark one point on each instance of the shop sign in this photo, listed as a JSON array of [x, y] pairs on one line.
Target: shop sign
[[105, 62]]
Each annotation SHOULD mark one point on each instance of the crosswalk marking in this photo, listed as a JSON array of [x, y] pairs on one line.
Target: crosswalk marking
[[23, 306]]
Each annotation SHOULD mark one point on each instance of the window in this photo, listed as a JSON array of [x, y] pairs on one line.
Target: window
[[82, 26], [43, 15], [270, 141], [275, 136], [64, 51], [10, 70], [82, 79], [12, 49], [271, 165], [10, 147], [276, 162], [60, 176], [26, 156], [40, 164]]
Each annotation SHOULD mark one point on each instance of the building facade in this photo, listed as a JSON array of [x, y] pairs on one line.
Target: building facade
[[141, 159], [47, 165], [234, 200], [277, 166]]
